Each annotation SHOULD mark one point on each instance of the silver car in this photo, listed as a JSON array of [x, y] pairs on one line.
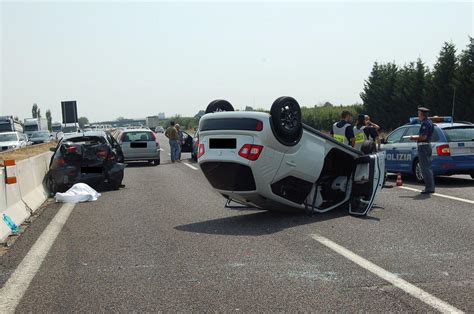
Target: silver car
[[139, 145], [12, 140]]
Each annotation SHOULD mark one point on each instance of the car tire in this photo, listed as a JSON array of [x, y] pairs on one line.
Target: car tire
[[117, 183], [368, 147], [219, 105], [156, 162], [51, 185], [286, 120], [417, 172]]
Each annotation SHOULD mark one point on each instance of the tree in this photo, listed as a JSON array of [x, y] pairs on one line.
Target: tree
[[83, 121], [34, 111], [441, 88], [464, 101], [378, 95], [50, 120]]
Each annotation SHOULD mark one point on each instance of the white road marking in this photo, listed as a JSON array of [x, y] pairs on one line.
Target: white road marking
[[19, 281], [190, 166], [440, 195], [404, 285]]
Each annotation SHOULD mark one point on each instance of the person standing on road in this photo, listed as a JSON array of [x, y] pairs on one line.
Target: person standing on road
[[423, 140], [172, 134], [342, 131], [364, 130], [180, 139]]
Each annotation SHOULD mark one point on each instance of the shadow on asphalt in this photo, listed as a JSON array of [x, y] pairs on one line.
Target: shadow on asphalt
[[418, 197], [445, 182], [138, 164], [261, 223]]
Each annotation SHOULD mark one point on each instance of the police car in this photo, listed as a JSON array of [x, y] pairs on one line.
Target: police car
[[452, 148], [275, 162]]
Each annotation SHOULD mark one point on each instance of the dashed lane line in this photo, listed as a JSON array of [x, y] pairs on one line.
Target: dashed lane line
[[19, 281], [440, 195], [402, 284], [190, 166]]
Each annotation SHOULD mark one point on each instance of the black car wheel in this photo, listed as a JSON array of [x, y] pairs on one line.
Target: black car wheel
[[117, 182], [286, 120], [219, 105], [417, 171], [51, 185], [156, 162], [368, 147]]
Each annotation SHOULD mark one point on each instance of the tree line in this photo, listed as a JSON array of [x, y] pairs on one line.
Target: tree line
[[392, 93]]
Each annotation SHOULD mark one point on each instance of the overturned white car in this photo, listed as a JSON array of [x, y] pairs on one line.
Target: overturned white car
[[275, 162]]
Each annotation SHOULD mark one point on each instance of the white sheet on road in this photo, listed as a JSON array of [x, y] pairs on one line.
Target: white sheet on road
[[79, 192]]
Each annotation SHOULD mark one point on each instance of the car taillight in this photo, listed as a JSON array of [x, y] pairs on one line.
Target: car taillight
[[251, 152], [443, 150], [201, 150], [59, 161], [72, 149], [102, 153], [259, 125]]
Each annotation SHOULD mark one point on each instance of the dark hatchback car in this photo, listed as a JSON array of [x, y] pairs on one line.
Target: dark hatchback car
[[93, 158]]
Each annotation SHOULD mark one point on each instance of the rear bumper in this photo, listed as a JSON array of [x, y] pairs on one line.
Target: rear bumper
[[131, 157], [453, 165]]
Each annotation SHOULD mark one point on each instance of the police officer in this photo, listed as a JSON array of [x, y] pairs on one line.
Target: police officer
[[342, 131], [424, 149]]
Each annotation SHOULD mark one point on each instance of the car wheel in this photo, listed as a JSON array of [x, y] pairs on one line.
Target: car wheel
[[286, 120], [51, 185], [117, 182], [368, 147], [417, 172], [156, 162], [219, 105]]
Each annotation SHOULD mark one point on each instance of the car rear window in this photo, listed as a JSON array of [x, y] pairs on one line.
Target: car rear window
[[137, 136], [87, 140], [460, 134]]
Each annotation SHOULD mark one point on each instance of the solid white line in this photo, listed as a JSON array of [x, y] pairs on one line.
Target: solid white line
[[404, 285], [17, 284], [190, 166], [440, 195]]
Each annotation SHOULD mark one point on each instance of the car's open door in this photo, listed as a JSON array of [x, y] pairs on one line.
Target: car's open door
[[367, 180]]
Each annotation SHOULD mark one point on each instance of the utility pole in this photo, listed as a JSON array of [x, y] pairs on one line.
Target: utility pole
[[454, 99]]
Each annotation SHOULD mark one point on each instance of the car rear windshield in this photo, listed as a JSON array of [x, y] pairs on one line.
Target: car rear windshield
[[8, 137], [246, 124], [460, 134], [87, 140], [137, 136], [5, 127]]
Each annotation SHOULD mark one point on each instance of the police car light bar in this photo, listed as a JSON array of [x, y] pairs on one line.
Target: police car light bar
[[435, 119]]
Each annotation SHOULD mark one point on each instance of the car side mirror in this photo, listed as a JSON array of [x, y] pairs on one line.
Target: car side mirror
[[383, 141]]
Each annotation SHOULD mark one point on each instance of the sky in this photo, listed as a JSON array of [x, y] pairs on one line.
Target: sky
[[136, 59]]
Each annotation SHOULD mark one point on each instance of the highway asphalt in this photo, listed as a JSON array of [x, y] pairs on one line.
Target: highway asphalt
[[166, 243]]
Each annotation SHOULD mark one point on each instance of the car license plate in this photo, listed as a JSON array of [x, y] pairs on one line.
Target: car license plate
[[91, 169], [222, 143], [138, 145]]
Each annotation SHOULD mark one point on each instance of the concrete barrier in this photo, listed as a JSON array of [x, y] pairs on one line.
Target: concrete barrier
[[20, 200], [30, 174], [15, 208]]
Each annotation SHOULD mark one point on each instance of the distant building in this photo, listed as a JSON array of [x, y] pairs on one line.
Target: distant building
[[161, 116]]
